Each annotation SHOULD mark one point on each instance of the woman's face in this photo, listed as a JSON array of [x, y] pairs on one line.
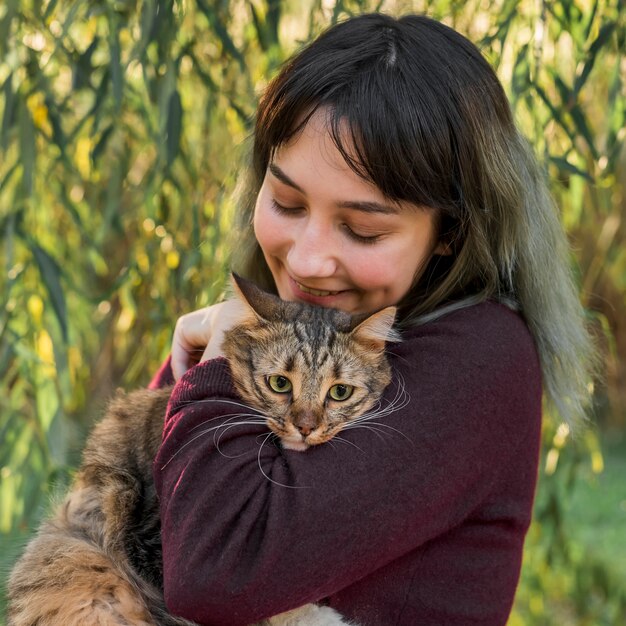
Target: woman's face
[[331, 238]]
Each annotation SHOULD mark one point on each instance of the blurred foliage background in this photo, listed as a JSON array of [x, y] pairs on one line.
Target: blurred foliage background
[[123, 130]]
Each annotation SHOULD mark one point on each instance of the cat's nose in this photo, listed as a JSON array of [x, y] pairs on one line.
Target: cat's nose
[[306, 423]]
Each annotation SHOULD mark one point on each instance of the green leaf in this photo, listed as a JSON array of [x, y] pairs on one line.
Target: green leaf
[[28, 149], [57, 437], [51, 276], [603, 36], [8, 115], [259, 26], [58, 136], [6, 25], [520, 80], [506, 15], [556, 113], [117, 77], [222, 32], [102, 143], [590, 19], [49, 9], [564, 165], [7, 177], [83, 69], [580, 120], [174, 126], [571, 105]]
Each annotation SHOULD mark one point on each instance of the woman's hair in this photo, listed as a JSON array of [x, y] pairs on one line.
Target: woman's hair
[[414, 108]]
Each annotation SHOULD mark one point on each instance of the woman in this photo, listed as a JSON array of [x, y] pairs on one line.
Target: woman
[[387, 170]]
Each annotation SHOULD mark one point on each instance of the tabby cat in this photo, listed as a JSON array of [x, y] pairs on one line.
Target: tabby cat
[[97, 561]]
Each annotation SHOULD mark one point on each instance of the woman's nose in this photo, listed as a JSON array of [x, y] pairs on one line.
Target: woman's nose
[[312, 254]]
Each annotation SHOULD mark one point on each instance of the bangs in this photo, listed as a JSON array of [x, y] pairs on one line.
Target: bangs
[[404, 148], [379, 135]]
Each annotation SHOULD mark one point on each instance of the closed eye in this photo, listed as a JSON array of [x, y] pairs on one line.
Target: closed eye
[[361, 238], [281, 209], [285, 210]]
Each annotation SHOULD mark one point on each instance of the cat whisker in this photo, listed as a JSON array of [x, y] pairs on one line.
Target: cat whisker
[[226, 427], [379, 433], [338, 438], [263, 471], [205, 432], [229, 415], [221, 401], [260, 443], [330, 443], [399, 401], [371, 427], [379, 425]]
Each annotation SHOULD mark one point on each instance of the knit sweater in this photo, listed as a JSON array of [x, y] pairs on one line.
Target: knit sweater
[[417, 518]]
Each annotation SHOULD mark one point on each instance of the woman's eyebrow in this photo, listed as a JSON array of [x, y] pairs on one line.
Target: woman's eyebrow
[[283, 178], [368, 206]]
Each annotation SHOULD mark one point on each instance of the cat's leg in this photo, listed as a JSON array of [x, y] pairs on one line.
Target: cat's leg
[[309, 615]]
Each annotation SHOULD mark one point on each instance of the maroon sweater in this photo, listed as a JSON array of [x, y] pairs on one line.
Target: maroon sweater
[[419, 521]]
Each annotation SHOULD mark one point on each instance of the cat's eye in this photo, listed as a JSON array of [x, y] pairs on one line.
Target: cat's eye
[[340, 392], [279, 384]]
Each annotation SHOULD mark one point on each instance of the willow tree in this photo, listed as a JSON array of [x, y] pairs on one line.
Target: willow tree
[[124, 129]]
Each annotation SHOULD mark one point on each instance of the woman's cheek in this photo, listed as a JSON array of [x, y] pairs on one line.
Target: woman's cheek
[[388, 271], [267, 227], [371, 269]]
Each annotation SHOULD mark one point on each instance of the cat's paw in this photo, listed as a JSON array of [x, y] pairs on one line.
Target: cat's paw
[[309, 615]]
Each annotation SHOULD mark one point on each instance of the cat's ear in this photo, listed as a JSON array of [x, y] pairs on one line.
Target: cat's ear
[[376, 329], [259, 303]]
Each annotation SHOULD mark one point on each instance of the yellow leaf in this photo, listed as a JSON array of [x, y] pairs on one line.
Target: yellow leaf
[[597, 462], [552, 458], [45, 351], [172, 260], [82, 156], [39, 112], [143, 262], [125, 320], [35, 308], [536, 604]]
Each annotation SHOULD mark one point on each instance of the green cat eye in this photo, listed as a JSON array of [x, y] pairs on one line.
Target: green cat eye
[[340, 392], [279, 384]]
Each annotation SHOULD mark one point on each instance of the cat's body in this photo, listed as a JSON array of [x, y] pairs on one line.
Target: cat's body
[[97, 560]]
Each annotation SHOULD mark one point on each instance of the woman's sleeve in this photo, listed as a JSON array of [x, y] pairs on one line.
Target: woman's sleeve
[[250, 530], [164, 376]]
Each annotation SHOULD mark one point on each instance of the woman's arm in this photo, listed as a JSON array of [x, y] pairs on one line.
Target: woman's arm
[[273, 529]]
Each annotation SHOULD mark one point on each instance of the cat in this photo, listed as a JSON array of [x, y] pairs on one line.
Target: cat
[[310, 371]]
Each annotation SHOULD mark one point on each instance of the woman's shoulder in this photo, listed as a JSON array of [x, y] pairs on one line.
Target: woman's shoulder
[[472, 369], [487, 327], [484, 345]]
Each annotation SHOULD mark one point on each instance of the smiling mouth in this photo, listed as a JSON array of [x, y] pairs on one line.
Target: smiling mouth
[[316, 292]]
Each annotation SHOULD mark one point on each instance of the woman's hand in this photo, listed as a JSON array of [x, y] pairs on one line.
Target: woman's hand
[[198, 336]]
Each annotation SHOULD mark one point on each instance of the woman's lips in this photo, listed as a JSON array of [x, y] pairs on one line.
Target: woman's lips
[[315, 292], [315, 296]]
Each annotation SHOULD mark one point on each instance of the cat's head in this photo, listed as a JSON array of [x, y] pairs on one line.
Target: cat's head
[[309, 370]]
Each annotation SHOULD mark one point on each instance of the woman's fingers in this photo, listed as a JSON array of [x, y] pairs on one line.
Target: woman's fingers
[[191, 336], [224, 316], [198, 335]]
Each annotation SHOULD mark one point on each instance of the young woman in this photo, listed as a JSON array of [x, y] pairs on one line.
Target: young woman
[[387, 170]]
